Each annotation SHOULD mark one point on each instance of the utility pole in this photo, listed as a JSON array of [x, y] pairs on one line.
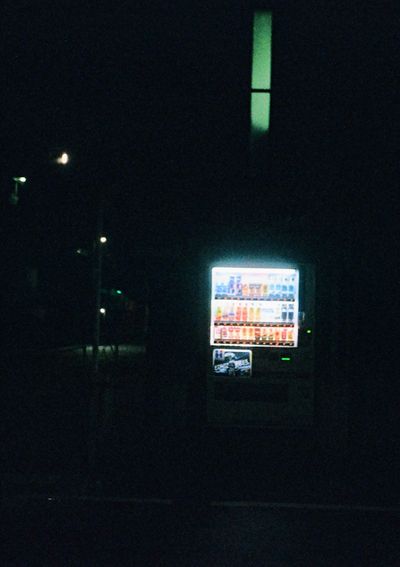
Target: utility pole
[[95, 397], [97, 276]]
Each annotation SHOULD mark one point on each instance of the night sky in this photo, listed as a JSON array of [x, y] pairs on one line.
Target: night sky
[[152, 104]]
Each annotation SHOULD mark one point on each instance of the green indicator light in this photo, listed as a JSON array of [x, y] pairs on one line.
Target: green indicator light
[[308, 331], [286, 358]]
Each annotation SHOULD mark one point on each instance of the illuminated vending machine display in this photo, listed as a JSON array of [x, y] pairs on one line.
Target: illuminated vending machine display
[[254, 307], [261, 351]]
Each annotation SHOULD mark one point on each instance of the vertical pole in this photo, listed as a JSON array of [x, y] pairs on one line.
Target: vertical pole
[[97, 272], [95, 402]]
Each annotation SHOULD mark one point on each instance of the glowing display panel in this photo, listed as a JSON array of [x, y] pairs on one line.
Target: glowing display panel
[[256, 307], [260, 103], [261, 64]]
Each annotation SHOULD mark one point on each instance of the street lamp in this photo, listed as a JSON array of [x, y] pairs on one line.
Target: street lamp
[[14, 197], [62, 159], [103, 239]]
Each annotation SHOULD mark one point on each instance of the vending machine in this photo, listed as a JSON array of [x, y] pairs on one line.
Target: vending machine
[[260, 367]]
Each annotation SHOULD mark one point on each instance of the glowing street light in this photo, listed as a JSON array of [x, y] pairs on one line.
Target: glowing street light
[[14, 197], [63, 159], [103, 239], [102, 310]]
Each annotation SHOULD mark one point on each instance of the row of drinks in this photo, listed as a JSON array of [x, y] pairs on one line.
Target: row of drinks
[[270, 334], [272, 288], [242, 311]]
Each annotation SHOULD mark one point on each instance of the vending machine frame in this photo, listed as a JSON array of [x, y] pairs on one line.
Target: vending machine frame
[[278, 390]]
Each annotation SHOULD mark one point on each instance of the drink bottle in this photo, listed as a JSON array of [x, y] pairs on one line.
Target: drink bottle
[[244, 313], [217, 333], [218, 314], [272, 292], [230, 333], [257, 333], [237, 333], [278, 289], [245, 290], [290, 335], [277, 335], [257, 314], [265, 290], [284, 333], [231, 285], [238, 315], [231, 315], [291, 313], [270, 334], [238, 289], [284, 312], [251, 312]]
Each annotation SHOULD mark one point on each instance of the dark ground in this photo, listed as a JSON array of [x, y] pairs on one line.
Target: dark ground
[[156, 496], [133, 533]]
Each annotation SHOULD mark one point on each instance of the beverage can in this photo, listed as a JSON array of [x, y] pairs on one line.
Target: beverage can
[[277, 335], [230, 333], [270, 334], [224, 333], [251, 333], [257, 314], [217, 332], [231, 313], [257, 333], [237, 333], [290, 335], [244, 333], [284, 333], [245, 290], [244, 313]]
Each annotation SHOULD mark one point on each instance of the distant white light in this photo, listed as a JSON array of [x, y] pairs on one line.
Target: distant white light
[[20, 179], [63, 159], [103, 239], [102, 310]]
